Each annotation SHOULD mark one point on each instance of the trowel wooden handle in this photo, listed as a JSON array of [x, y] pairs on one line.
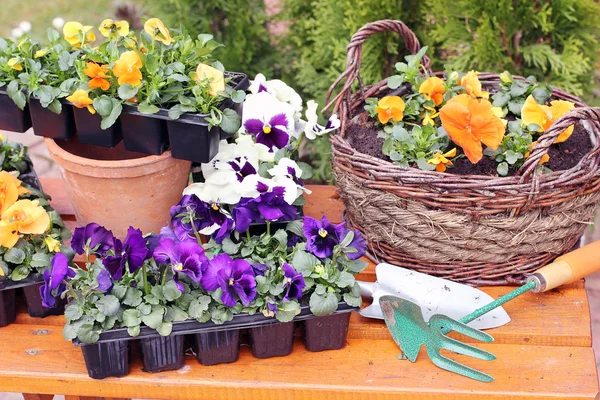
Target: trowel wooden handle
[[569, 268]]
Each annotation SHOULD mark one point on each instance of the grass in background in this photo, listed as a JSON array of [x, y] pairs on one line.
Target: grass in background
[[40, 14]]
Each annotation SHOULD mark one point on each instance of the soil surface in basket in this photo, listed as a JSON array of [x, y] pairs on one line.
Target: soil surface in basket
[[362, 136]]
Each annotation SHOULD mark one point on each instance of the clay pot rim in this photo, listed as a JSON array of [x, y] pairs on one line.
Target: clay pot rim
[[54, 148]]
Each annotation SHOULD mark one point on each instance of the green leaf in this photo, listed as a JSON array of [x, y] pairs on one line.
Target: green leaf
[[87, 334], [53, 35], [155, 318], [108, 305], [502, 169], [287, 311], [238, 96], [109, 120], [541, 95], [175, 314], [103, 106], [533, 127], [347, 239], [179, 109], [231, 121], [324, 304], [515, 107], [512, 157], [133, 297], [171, 291], [179, 77], [127, 91], [424, 165], [295, 227], [16, 95], [40, 260], [69, 331], [147, 109], [357, 266], [165, 328], [229, 247], [14, 256], [73, 312], [345, 279], [199, 307], [55, 106], [395, 81], [133, 331], [501, 99], [307, 170], [518, 88], [304, 263], [354, 301], [119, 290], [132, 318]]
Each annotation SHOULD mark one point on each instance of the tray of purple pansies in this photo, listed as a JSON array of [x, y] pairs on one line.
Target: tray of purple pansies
[[210, 278]]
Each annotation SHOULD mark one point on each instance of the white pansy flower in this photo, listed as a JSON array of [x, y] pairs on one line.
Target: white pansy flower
[[281, 90], [58, 23], [287, 170], [312, 129], [25, 26], [269, 120]]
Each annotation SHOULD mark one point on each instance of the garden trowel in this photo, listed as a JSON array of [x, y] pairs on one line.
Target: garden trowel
[[433, 295]]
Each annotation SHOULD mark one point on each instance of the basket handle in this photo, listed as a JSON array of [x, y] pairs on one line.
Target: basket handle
[[354, 59], [590, 114]]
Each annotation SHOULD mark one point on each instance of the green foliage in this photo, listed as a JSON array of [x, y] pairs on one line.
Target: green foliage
[[239, 24], [556, 41]]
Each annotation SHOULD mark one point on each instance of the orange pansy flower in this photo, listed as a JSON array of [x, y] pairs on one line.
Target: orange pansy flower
[[10, 190], [433, 89], [544, 116], [98, 73], [472, 86], [470, 122], [441, 161], [23, 217], [127, 68], [81, 99], [390, 107]]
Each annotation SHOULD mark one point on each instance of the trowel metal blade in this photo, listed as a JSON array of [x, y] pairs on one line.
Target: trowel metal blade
[[433, 295]]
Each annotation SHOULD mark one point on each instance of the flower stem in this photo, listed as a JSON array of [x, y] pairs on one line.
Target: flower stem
[[298, 142], [164, 278], [145, 279], [248, 234], [268, 228]]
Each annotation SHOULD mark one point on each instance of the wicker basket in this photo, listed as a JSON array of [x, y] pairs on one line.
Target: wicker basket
[[480, 230]]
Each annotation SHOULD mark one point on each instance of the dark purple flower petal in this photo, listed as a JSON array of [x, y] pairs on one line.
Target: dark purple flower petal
[[357, 243], [294, 283], [104, 281], [259, 269], [234, 277], [135, 249], [48, 299], [165, 250], [253, 126], [322, 236], [276, 139], [279, 120], [210, 273], [100, 239], [245, 288], [53, 279]]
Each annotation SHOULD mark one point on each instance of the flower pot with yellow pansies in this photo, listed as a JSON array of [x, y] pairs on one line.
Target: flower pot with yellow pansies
[[476, 177], [31, 232], [136, 84]]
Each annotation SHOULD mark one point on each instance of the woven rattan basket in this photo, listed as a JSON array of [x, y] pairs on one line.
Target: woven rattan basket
[[480, 230]]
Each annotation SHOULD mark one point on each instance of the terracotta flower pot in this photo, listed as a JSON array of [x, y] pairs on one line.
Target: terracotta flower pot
[[118, 188]]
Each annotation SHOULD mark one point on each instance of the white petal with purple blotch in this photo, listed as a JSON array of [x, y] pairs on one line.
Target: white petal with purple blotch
[[279, 89], [312, 129]]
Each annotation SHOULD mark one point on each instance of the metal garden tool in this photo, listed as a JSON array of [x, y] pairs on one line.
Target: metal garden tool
[[433, 295], [410, 331]]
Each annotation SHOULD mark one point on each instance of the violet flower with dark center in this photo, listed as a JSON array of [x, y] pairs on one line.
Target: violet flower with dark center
[[322, 236], [99, 239], [234, 277], [272, 133], [242, 168], [268, 206], [358, 243], [185, 257], [131, 253], [54, 279], [293, 283], [193, 215]]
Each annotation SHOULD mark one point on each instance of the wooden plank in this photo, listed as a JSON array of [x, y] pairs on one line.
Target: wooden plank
[[364, 368]]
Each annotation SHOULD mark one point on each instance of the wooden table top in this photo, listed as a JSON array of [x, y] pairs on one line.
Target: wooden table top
[[544, 353]]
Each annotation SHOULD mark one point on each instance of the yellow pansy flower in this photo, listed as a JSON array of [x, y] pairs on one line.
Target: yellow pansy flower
[[390, 107], [81, 99], [545, 158], [41, 52], [23, 217], [544, 116], [442, 160], [10, 190], [52, 244], [216, 77], [110, 28], [470, 82], [158, 31], [127, 68], [15, 63], [77, 34], [430, 115]]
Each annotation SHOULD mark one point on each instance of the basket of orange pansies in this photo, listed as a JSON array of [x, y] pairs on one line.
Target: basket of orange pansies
[[477, 177]]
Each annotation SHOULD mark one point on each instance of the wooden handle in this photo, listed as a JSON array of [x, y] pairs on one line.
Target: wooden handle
[[570, 267]]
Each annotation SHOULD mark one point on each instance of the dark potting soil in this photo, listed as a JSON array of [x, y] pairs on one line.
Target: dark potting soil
[[362, 136]]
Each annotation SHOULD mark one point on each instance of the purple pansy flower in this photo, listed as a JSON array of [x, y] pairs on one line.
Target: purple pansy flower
[[242, 167], [234, 277], [53, 279], [132, 252], [208, 219], [104, 281], [272, 132], [294, 239], [259, 269], [293, 283], [322, 236], [272, 306], [100, 239], [357, 243], [268, 206], [186, 257]]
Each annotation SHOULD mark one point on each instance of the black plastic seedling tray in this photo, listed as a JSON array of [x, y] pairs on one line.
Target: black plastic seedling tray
[[12, 118], [239, 321]]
